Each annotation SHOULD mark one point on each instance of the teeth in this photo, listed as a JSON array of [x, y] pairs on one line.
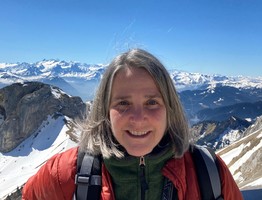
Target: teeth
[[138, 132]]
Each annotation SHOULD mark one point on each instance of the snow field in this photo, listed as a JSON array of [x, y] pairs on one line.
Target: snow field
[[25, 160]]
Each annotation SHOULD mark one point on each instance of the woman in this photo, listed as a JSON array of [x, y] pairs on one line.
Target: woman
[[138, 126]]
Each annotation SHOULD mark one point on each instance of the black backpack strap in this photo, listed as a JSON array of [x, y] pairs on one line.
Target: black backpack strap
[[88, 179], [206, 166], [169, 191]]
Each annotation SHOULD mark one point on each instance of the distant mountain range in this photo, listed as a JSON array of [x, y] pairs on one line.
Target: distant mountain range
[[204, 97], [76, 78]]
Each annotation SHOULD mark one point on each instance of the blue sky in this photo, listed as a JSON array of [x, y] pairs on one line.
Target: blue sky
[[206, 36]]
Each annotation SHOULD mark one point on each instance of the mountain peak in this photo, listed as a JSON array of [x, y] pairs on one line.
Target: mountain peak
[[183, 80]]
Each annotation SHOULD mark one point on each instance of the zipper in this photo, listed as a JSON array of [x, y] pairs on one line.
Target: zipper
[[144, 185]]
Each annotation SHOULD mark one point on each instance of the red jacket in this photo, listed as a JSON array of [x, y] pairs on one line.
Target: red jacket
[[55, 180]]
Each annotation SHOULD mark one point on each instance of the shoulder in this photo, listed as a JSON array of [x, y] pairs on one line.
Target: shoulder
[[64, 163], [61, 162], [66, 159], [55, 179]]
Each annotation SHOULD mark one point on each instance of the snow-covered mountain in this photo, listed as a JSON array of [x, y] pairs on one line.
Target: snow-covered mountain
[[192, 81], [77, 79], [51, 68], [36, 122], [85, 77]]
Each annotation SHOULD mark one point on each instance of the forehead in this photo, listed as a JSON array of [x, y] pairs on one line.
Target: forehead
[[131, 71], [132, 74], [133, 80]]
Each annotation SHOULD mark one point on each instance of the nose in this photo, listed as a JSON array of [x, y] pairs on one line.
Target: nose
[[137, 114]]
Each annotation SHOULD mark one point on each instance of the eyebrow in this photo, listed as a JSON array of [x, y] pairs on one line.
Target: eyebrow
[[120, 98], [158, 95]]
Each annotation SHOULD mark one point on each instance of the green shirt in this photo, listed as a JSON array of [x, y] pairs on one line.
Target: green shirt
[[126, 175]]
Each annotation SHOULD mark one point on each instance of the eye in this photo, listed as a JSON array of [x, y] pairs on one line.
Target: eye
[[152, 102], [123, 103]]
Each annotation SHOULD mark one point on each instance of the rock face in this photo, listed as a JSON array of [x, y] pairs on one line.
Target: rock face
[[216, 134], [244, 157], [23, 107]]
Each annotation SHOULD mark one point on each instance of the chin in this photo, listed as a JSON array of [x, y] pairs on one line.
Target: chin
[[138, 153]]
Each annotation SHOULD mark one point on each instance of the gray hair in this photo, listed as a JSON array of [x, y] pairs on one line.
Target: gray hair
[[97, 137]]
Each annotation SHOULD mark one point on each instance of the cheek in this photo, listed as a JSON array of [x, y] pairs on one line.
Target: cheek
[[159, 115], [114, 117], [161, 120]]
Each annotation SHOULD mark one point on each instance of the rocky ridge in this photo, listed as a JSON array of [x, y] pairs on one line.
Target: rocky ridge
[[23, 107], [244, 157], [216, 134]]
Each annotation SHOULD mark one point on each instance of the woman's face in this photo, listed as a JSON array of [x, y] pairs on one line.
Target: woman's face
[[137, 111]]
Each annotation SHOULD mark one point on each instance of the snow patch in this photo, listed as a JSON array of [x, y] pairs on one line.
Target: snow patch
[[25, 160], [260, 135], [227, 157], [245, 157], [255, 183]]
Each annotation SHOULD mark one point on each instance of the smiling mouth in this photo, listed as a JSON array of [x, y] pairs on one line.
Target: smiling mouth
[[138, 133]]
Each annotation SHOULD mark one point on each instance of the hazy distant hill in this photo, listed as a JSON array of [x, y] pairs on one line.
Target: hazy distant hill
[[220, 102], [245, 110]]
